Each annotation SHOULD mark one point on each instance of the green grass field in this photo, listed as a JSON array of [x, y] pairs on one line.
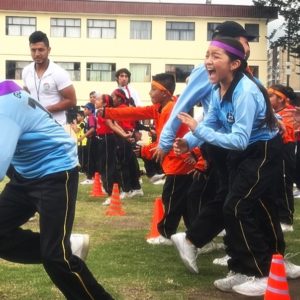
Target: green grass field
[[122, 261]]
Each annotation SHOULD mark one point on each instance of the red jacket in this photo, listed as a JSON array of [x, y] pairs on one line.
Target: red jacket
[[172, 164], [201, 164], [101, 127], [289, 135]]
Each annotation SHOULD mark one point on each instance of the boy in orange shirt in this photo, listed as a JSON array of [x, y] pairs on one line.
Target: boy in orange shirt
[[176, 167], [278, 95]]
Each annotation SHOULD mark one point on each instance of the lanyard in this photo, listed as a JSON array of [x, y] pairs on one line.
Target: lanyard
[[37, 87]]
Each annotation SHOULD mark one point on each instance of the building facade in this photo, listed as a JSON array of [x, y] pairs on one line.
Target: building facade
[[92, 39], [282, 70]]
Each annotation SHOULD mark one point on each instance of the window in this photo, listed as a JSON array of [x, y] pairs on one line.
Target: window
[[103, 29], [100, 71], [253, 29], [255, 71], [140, 72], [141, 30], [14, 68], [73, 68], [20, 26], [211, 27], [181, 72], [65, 27], [184, 31]]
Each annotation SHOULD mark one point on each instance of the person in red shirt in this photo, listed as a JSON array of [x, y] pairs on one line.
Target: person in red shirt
[[176, 168], [105, 147], [127, 163], [279, 99]]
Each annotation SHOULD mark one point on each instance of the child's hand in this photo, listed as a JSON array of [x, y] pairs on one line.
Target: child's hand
[[190, 159], [188, 120], [137, 150], [128, 137], [158, 154], [180, 146]]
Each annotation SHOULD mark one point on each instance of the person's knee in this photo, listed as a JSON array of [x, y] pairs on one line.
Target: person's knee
[[229, 209], [239, 208], [50, 259]]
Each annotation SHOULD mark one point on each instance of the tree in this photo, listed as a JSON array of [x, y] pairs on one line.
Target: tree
[[290, 11], [290, 40]]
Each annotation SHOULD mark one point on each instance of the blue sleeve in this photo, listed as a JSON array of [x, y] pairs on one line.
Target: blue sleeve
[[210, 120], [198, 88], [238, 139], [10, 133], [193, 141]]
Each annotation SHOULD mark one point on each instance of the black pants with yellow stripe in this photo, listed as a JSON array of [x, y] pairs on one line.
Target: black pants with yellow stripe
[[253, 232], [174, 197], [54, 198], [209, 220]]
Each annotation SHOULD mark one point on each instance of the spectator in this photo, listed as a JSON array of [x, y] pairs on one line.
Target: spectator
[[46, 81]]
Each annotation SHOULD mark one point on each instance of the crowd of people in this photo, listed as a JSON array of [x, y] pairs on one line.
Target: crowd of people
[[109, 147], [239, 163]]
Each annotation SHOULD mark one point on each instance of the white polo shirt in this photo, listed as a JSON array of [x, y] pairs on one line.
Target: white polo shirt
[[46, 89], [130, 92]]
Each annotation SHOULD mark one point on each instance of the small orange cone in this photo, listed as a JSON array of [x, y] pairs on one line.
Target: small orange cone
[[158, 214], [97, 187], [115, 206], [277, 288]]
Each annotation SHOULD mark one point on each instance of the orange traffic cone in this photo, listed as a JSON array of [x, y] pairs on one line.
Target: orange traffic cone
[[158, 214], [97, 187], [115, 206], [277, 288]]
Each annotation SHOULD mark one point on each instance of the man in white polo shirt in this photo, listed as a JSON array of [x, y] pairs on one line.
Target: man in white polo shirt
[[46, 81]]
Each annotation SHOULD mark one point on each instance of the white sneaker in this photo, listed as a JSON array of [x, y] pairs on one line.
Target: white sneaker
[[134, 193], [292, 271], [296, 193], [160, 181], [210, 247], [187, 251], [253, 287], [286, 227], [87, 181], [222, 261], [80, 244], [160, 240], [156, 177], [232, 279], [124, 195], [106, 202]]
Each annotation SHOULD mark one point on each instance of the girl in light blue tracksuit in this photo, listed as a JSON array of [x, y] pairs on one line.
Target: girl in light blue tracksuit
[[240, 119]]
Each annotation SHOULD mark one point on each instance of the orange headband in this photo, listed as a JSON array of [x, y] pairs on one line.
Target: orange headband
[[160, 87], [279, 94]]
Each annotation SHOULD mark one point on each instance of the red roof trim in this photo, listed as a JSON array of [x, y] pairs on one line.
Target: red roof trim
[[137, 8]]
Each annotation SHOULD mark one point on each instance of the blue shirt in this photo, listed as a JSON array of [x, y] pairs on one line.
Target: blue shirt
[[30, 139], [197, 91], [234, 121]]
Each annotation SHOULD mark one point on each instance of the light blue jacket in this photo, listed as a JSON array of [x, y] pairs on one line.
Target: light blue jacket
[[197, 91], [234, 122], [30, 139]]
